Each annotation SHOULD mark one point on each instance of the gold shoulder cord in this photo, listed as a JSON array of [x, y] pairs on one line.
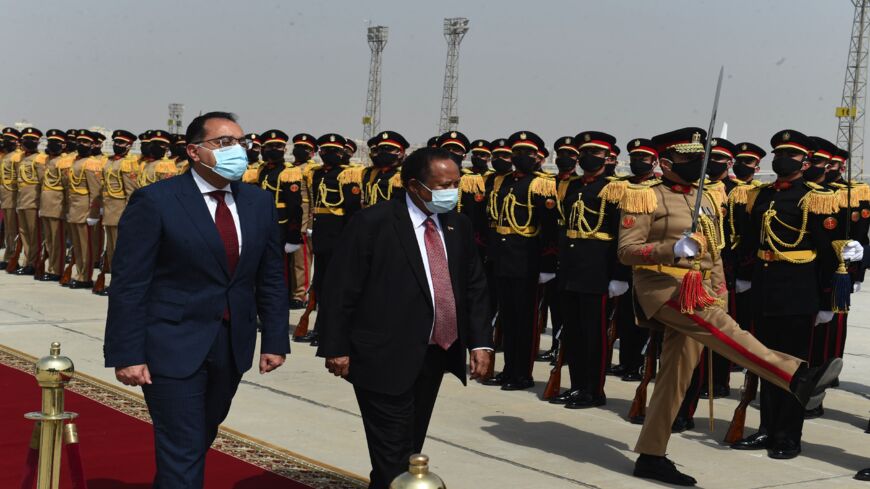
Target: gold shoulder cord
[[276, 192], [492, 205], [112, 182], [772, 240], [7, 176], [29, 177], [52, 178], [323, 195], [76, 180], [508, 214], [577, 221]]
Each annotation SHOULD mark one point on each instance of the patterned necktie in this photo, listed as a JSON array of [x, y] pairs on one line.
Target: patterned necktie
[[444, 333], [226, 227]]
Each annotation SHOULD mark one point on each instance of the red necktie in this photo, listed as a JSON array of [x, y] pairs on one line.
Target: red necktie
[[444, 333], [226, 227]]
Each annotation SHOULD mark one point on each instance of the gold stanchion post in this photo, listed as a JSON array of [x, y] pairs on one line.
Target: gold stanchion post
[[418, 476]]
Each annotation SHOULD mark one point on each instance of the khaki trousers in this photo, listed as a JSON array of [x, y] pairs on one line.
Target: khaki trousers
[[52, 235], [111, 240], [301, 264], [684, 337], [10, 232], [27, 227], [82, 251]]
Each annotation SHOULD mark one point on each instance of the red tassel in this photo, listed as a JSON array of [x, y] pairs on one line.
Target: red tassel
[[692, 292]]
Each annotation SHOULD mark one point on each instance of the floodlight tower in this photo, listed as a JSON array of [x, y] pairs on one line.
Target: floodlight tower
[[176, 111], [454, 30], [850, 129], [377, 38]]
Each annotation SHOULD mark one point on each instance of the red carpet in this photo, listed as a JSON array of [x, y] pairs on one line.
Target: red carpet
[[117, 449]]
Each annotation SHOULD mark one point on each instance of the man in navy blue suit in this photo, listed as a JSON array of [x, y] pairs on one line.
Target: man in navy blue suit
[[198, 259]]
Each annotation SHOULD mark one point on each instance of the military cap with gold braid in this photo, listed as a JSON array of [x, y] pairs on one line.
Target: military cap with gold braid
[[454, 138], [85, 135], [274, 136], [723, 147], [179, 139], [789, 139], [594, 139], [840, 156], [747, 150], [350, 145], [526, 139], [145, 136], [31, 132], [392, 138], [565, 142], [824, 148], [480, 146], [123, 135], [255, 139], [641, 145], [71, 134], [500, 145], [55, 135], [432, 142], [372, 143], [331, 140], [160, 136], [302, 138], [685, 140], [11, 133]]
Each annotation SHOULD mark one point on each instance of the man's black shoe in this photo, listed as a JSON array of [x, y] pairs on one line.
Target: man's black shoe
[[617, 370], [28, 270], [662, 470], [682, 424], [784, 449], [863, 475], [632, 376], [81, 285], [48, 277], [3, 264], [308, 338], [586, 400], [497, 379], [518, 384], [296, 304], [103, 293], [566, 397], [547, 356], [757, 441], [809, 383], [814, 413]]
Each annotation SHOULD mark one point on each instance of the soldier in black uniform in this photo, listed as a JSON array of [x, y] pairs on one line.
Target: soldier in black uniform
[[472, 192], [456, 143], [349, 150], [382, 181], [525, 206], [502, 167], [254, 150], [787, 257]]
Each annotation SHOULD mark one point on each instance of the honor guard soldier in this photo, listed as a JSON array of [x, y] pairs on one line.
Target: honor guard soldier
[[70, 145], [9, 194], [472, 193], [30, 171], [382, 180], [789, 261], [349, 151], [587, 262], [502, 167], [51, 205], [679, 288], [250, 175], [156, 166], [456, 144], [432, 142], [95, 182], [526, 256], [372, 145], [178, 152], [81, 195], [114, 198], [304, 147]]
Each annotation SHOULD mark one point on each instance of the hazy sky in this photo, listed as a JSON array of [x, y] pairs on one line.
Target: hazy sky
[[631, 68]]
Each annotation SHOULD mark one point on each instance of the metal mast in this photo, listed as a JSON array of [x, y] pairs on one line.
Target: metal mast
[[850, 130], [454, 30], [377, 37], [176, 111]]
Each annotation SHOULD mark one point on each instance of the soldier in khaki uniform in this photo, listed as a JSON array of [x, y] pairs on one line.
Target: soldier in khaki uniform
[[679, 286], [114, 197], [156, 165], [304, 146], [9, 192], [178, 150], [80, 197], [30, 171], [51, 205]]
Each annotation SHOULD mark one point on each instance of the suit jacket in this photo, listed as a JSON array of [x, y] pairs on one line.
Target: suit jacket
[[171, 285], [377, 307]]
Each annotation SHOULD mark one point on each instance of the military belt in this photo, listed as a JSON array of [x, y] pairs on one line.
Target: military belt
[[676, 272], [600, 236], [328, 210], [804, 255], [506, 230]]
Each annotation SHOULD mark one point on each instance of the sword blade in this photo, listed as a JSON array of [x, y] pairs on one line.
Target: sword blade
[[700, 194]]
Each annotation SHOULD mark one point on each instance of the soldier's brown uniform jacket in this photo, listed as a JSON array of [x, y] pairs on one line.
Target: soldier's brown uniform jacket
[[9, 179], [30, 171], [51, 199], [114, 190]]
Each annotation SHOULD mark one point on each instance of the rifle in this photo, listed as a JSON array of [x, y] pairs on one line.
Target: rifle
[[67, 272], [539, 325], [13, 260], [39, 268], [638, 406], [611, 331], [735, 429], [555, 382], [302, 328]]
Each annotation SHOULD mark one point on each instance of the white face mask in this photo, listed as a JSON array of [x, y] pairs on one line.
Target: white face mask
[[442, 200], [230, 163]]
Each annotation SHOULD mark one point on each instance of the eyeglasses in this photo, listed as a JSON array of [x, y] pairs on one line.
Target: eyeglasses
[[228, 141]]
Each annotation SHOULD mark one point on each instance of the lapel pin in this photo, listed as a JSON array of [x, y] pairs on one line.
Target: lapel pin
[[450, 228]]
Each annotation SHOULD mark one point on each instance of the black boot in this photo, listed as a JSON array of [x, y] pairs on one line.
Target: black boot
[[784, 449], [497, 379], [681, 424], [566, 397], [587, 400], [662, 470], [547, 356], [814, 413], [863, 475], [809, 383], [757, 441]]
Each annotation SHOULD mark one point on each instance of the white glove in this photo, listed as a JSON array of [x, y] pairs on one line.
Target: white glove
[[853, 251], [686, 247], [742, 285], [545, 277], [101, 211], [616, 288], [856, 287], [92, 221], [309, 232], [824, 317], [290, 248]]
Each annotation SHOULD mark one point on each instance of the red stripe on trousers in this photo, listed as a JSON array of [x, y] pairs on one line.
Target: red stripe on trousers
[[728, 341], [604, 339]]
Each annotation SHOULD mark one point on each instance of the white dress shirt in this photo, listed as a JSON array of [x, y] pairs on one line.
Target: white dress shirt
[[204, 188]]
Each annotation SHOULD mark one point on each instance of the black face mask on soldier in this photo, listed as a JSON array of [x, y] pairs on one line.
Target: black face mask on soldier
[[54, 147], [300, 155], [502, 165], [742, 171], [689, 171], [8, 145], [565, 164], [97, 150], [832, 176], [253, 155], [119, 150], [590, 163], [813, 173], [457, 158], [157, 151], [478, 163], [610, 170], [273, 155], [331, 158], [385, 159], [640, 167], [30, 144], [178, 150], [524, 163], [785, 166], [83, 150], [716, 168]]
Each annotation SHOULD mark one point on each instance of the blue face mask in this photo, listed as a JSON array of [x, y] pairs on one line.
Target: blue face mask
[[230, 163], [442, 200]]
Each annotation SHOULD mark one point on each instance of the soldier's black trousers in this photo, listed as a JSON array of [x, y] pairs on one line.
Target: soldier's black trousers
[[828, 340], [585, 340], [553, 299], [632, 338], [782, 416], [517, 303]]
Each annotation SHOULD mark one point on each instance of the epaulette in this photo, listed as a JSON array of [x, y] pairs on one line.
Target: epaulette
[[740, 193], [130, 164], [639, 198], [614, 191], [65, 161], [856, 192], [820, 200], [16, 155], [290, 174], [94, 164], [753, 193], [165, 166], [396, 180], [351, 175], [308, 170], [544, 174], [471, 183], [543, 185], [250, 175], [41, 158], [716, 192]]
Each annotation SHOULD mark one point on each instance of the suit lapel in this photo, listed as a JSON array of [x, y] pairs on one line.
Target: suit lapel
[[453, 245], [408, 240], [246, 220], [193, 204]]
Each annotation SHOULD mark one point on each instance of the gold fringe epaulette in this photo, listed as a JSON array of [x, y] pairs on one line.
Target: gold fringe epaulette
[[165, 167], [16, 155], [752, 194], [639, 199], [396, 180], [41, 158], [130, 163], [859, 192], [716, 192], [290, 174], [308, 170], [351, 175], [740, 194], [615, 190], [545, 186], [66, 160], [94, 164], [820, 200], [472, 183]]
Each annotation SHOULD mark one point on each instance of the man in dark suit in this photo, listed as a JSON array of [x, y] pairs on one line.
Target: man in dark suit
[[198, 259], [404, 297]]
